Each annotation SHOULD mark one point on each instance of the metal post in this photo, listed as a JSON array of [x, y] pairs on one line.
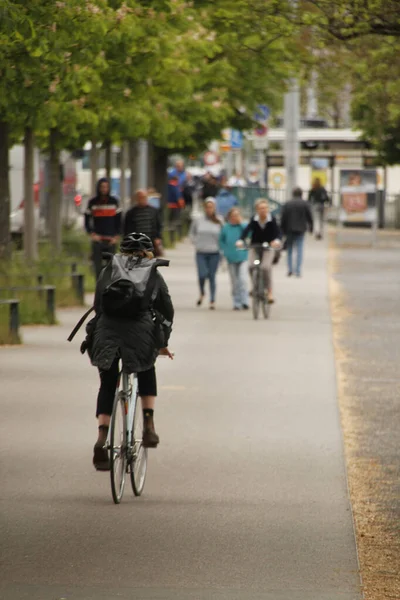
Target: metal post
[[142, 167], [230, 163], [40, 280], [292, 123], [78, 284], [51, 303], [14, 318], [261, 163]]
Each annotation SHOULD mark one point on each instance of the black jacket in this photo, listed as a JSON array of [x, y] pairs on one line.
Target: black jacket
[[136, 340], [261, 235], [318, 196], [296, 217], [103, 214], [143, 219], [210, 189]]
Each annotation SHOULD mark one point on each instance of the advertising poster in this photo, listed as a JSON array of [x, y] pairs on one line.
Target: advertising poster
[[319, 170], [358, 189]]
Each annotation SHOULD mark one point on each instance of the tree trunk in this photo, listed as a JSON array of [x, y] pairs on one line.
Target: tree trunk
[[133, 158], [94, 166], [30, 231], [122, 187], [55, 193], [160, 172], [150, 166], [5, 238], [336, 114], [107, 158]]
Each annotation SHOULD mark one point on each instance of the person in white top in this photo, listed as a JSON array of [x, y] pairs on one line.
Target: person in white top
[[236, 180]]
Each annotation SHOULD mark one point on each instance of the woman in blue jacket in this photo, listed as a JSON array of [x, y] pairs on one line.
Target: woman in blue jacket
[[236, 258]]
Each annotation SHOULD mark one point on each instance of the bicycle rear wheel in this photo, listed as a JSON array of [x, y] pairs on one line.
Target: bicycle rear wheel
[[256, 293], [138, 463], [118, 448]]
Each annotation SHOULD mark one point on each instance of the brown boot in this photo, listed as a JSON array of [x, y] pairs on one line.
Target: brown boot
[[150, 438], [101, 459]]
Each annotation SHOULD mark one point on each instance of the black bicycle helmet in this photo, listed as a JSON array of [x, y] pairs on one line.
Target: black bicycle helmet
[[136, 242]]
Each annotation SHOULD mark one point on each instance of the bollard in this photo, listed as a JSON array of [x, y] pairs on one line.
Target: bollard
[[40, 280], [173, 236], [14, 319], [51, 303], [78, 283]]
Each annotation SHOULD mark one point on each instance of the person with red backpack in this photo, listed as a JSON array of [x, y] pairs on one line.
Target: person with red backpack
[[133, 322]]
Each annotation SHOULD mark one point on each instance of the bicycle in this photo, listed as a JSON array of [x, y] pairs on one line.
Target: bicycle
[[127, 453], [259, 297]]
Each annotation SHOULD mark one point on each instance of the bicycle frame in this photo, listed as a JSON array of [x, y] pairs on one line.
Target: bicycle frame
[[259, 283]]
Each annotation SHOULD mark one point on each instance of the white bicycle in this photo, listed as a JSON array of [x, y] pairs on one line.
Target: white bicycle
[[127, 454]]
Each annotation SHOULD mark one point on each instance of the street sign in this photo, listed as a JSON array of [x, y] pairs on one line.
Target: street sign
[[261, 131], [236, 139], [260, 143], [210, 158], [262, 113]]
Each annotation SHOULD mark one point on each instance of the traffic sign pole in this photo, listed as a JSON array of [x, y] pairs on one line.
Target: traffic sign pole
[[292, 125]]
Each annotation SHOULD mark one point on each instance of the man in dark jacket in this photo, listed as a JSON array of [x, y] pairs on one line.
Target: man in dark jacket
[[137, 342], [103, 223], [296, 219], [210, 186], [145, 219]]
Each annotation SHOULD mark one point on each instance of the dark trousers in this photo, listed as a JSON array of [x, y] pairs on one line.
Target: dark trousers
[[147, 383], [97, 254]]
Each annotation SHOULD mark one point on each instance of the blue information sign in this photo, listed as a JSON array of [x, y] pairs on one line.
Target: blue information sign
[[262, 113], [236, 139]]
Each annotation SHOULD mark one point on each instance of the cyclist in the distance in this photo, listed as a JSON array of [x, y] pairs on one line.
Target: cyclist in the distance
[[135, 340], [263, 228]]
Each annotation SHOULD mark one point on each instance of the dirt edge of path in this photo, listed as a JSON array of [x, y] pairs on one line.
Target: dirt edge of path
[[366, 477]]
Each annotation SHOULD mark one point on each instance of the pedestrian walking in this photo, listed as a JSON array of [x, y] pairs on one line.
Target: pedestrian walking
[[210, 186], [236, 258], [319, 199], [225, 199], [263, 229], [143, 218], [204, 233], [189, 189], [103, 223], [296, 219]]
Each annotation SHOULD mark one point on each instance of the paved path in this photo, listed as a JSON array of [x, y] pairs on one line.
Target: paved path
[[246, 497]]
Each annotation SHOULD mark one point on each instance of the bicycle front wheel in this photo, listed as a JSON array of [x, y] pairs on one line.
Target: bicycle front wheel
[[266, 307], [118, 448], [256, 293], [138, 464]]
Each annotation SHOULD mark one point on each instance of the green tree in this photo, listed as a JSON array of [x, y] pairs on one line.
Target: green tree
[[52, 62], [350, 19], [376, 98]]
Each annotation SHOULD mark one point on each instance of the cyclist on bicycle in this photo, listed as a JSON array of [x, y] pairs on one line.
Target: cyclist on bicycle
[[137, 342], [263, 228]]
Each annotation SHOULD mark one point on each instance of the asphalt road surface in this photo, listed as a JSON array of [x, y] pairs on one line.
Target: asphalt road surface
[[246, 496]]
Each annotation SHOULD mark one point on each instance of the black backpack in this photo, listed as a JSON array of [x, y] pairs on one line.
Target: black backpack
[[127, 285]]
